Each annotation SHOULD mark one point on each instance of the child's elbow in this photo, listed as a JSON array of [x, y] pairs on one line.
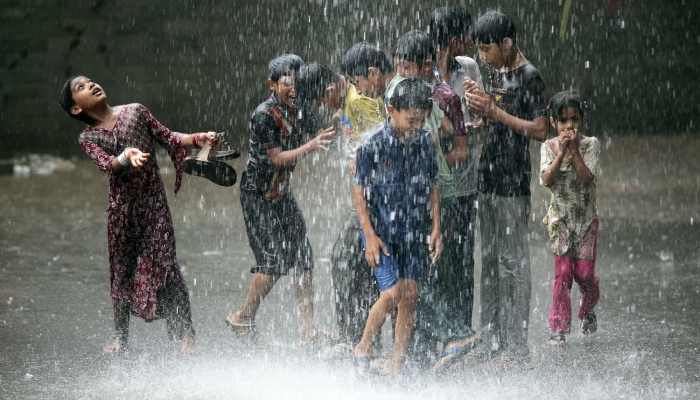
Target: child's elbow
[[540, 134], [588, 182]]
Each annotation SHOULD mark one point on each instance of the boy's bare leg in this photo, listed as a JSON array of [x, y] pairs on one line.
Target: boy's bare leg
[[259, 288], [377, 315], [304, 290], [405, 322]]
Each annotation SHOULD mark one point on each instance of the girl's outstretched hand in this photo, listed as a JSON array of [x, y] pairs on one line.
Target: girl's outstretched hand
[[199, 139], [136, 157]]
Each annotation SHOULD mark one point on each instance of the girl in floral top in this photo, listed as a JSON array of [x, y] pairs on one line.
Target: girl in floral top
[[144, 273], [570, 169]]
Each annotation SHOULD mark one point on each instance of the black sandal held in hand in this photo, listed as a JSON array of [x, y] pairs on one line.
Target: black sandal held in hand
[[206, 166], [215, 153]]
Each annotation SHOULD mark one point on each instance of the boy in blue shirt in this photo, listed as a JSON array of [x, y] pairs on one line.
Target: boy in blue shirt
[[395, 186]]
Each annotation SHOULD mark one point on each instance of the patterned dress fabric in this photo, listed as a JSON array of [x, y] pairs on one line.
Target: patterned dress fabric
[[573, 206], [141, 240]]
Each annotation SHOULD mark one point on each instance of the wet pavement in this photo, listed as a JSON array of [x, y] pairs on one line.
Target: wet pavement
[[55, 310]]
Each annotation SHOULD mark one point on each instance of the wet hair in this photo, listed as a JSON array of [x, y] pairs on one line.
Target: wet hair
[[312, 81], [492, 27], [65, 99], [283, 65], [411, 93], [362, 56], [564, 100], [415, 46], [448, 22]]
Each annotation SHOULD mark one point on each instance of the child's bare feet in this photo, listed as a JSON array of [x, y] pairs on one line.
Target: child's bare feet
[[589, 324], [187, 347], [116, 345]]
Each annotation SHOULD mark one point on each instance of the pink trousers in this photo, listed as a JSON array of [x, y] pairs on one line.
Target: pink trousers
[[566, 270]]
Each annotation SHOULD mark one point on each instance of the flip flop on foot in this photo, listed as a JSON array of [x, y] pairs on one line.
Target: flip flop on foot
[[248, 334], [556, 339], [364, 368], [455, 351]]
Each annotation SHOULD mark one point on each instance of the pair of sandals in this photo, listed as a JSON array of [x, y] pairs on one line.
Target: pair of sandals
[[208, 163], [587, 326]]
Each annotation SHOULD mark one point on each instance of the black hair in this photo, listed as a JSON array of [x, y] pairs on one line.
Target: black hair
[[411, 93], [362, 56], [415, 46], [312, 81], [65, 99], [492, 27], [284, 65], [448, 22], [563, 100]]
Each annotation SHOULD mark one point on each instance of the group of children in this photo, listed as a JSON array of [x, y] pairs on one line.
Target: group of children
[[411, 135]]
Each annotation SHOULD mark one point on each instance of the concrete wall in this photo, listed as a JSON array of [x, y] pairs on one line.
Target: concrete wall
[[201, 65]]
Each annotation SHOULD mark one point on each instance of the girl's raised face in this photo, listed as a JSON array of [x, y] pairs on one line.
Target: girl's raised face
[[86, 94], [569, 120]]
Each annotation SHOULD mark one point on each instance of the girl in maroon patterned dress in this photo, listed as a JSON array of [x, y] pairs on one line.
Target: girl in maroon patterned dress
[[144, 273]]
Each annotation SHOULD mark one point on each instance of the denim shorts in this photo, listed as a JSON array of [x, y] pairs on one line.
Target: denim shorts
[[401, 263]]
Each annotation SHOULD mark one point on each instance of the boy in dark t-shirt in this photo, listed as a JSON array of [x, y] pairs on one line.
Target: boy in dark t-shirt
[[515, 112], [282, 132]]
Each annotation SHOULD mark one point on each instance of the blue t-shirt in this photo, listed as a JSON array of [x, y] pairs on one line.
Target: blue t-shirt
[[397, 180]]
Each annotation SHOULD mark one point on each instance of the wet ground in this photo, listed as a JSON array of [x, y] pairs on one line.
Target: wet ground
[[55, 310]]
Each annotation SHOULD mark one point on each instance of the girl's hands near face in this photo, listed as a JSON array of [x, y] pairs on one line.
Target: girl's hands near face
[[575, 140], [136, 157], [563, 140]]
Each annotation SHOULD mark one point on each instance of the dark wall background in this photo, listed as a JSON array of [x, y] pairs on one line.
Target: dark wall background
[[201, 65]]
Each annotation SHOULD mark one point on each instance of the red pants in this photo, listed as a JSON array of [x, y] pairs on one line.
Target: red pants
[[566, 270]]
